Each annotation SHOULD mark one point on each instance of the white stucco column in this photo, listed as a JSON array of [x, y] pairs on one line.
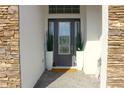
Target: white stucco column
[[31, 44], [93, 34], [104, 46]]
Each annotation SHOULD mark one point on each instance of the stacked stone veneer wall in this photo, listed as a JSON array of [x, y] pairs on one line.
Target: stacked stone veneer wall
[[115, 67], [9, 47]]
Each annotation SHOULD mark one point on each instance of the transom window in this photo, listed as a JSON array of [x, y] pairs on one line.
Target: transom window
[[59, 9]]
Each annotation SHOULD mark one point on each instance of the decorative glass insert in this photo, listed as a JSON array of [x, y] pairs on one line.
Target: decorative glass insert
[[50, 36], [56, 9], [64, 38], [79, 43]]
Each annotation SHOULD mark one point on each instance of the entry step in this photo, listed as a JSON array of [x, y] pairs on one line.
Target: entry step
[[64, 70]]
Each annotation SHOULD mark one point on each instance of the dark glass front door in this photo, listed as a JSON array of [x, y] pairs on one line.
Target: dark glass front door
[[64, 46]]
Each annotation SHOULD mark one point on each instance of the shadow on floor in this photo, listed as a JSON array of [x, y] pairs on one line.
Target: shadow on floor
[[47, 78]]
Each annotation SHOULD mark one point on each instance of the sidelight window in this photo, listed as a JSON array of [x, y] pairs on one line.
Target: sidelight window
[[79, 42], [50, 36]]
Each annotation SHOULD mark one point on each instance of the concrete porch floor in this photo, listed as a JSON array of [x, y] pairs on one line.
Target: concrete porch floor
[[67, 80]]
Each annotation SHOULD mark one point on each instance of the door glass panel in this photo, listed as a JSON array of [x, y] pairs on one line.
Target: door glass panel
[[64, 38]]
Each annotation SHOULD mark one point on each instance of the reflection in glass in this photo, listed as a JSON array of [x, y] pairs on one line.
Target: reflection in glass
[[64, 38]]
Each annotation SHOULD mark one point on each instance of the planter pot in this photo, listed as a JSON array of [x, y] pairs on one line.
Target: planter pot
[[79, 59], [49, 60]]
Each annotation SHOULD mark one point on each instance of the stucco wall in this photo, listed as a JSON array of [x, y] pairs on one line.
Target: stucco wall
[[93, 31], [104, 46], [9, 47], [31, 44], [115, 66]]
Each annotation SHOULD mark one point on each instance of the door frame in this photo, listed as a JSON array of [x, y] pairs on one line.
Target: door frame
[[64, 19]]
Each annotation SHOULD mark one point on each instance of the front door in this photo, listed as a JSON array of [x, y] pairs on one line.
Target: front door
[[64, 46]]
